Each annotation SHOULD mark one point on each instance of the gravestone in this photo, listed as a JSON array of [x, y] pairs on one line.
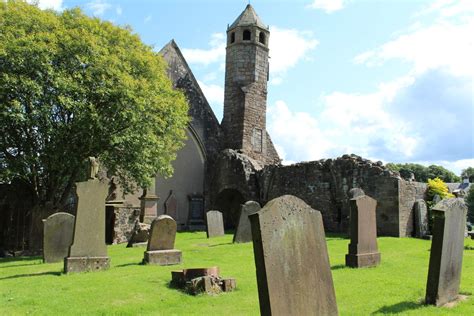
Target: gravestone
[[291, 258], [171, 206], [243, 233], [88, 251], [215, 224], [57, 236], [160, 248], [444, 273], [148, 204], [363, 251], [356, 192], [421, 218]]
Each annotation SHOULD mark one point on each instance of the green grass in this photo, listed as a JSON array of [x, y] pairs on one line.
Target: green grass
[[397, 286]]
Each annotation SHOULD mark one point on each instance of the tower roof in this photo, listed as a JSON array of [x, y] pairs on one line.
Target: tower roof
[[248, 18]]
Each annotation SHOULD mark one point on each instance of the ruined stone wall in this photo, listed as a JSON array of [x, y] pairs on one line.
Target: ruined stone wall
[[409, 192], [325, 185], [124, 219]]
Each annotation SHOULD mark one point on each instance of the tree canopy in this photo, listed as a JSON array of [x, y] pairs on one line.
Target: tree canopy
[[470, 204], [422, 173], [71, 87], [468, 173]]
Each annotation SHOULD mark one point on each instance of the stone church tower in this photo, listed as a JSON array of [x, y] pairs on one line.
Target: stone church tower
[[245, 99]]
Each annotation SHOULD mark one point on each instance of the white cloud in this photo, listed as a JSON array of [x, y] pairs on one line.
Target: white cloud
[[98, 7], [214, 93], [49, 4], [328, 6], [287, 48], [445, 44], [207, 56]]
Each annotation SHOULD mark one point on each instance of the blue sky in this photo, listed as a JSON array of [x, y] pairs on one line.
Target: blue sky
[[387, 80]]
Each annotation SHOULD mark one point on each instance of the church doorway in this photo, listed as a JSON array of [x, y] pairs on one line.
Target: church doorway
[[228, 202]]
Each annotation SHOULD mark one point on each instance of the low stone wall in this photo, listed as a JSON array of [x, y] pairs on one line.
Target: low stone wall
[[124, 219]]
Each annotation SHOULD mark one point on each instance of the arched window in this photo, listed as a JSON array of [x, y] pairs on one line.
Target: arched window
[[246, 36], [261, 38], [232, 37]]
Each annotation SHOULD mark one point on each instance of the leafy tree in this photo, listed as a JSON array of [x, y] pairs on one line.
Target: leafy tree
[[470, 204], [71, 87], [437, 186], [422, 173], [468, 173]]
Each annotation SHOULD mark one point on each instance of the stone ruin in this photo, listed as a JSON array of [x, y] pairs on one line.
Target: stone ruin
[[201, 280]]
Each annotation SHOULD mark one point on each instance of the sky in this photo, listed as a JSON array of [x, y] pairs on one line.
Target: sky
[[388, 80]]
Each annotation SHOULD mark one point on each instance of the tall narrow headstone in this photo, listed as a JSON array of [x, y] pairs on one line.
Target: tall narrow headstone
[[88, 251], [215, 224], [171, 206], [421, 218], [148, 204], [444, 273], [363, 250], [57, 236], [293, 272], [243, 232], [160, 249]]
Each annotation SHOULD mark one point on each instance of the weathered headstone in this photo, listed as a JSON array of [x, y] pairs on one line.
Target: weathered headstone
[[171, 206], [148, 204], [243, 232], [421, 218], [88, 251], [57, 236], [363, 251], [444, 273], [293, 272], [160, 248], [215, 224], [356, 192]]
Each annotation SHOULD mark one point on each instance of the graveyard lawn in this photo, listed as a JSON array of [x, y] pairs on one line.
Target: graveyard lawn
[[397, 286]]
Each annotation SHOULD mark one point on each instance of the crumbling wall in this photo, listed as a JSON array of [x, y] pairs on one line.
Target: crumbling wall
[[325, 185], [409, 192]]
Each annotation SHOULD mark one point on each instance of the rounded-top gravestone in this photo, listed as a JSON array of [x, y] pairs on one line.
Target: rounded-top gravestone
[[57, 236], [162, 233]]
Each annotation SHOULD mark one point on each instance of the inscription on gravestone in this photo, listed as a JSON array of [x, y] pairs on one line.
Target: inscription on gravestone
[[88, 251], [293, 272], [243, 232], [363, 250], [160, 248], [57, 236], [215, 224], [444, 273]]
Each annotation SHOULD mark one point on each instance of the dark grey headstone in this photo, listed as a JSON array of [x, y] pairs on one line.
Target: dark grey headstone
[[215, 224], [162, 233], [421, 218], [57, 236], [171, 206], [293, 272], [88, 251], [363, 251], [444, 274], [243, 232]]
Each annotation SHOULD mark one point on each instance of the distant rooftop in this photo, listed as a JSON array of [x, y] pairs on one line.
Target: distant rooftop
[[248, 18]]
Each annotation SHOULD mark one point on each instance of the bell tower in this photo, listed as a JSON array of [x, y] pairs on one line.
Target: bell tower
[[246, 76]]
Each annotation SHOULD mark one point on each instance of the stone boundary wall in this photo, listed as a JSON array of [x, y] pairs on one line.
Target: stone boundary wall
[[409, 192]]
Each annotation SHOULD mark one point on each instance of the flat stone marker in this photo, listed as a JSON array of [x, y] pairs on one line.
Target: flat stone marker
[[57, 236], [293, 272], [444, 273], [243, 233], [160, 248], [215, 224], [421, 218], [88, 251], [363, 250]]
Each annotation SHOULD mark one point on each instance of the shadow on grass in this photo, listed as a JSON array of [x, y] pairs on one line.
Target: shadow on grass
[[221, 244], [31, 275], [336, 236], [338, 266], [129, 264], [399, 308], [19, 259], [468, 248]]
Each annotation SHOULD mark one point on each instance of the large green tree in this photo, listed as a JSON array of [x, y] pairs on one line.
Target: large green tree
[[422, 173], [468, 173], [71, 87]]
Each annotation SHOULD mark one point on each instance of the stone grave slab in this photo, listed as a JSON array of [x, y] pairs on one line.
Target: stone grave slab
[[291, 258], [363, 250], [57, 236], [444, 272], [421, 218], [243, 232], [88, 251], [160, 248], [215, 224]]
